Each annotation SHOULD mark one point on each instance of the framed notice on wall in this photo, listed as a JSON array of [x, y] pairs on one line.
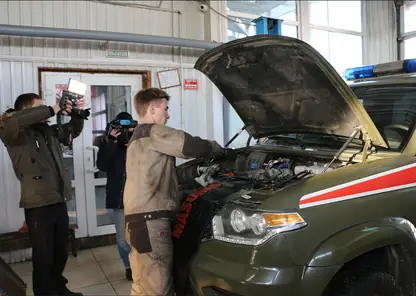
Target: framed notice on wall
[[169, 78]]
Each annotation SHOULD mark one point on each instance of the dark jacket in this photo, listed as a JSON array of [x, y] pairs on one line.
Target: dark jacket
[[35, 152], [111, 159]]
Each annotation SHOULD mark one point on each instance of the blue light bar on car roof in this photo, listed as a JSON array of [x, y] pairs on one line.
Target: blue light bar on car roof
[[397, 67]]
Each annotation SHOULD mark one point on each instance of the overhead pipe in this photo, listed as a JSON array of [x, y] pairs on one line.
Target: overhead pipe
[[29, 31]]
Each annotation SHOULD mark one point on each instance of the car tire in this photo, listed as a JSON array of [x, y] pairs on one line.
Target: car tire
[[371, 283]]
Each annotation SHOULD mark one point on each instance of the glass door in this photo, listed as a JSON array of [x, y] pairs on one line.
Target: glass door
[[106, 96]]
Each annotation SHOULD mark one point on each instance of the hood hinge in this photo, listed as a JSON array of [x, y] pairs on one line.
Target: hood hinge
[[367, 144]]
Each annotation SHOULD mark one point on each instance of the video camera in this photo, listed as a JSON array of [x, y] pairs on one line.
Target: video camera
[[76, 91], [123, 126]]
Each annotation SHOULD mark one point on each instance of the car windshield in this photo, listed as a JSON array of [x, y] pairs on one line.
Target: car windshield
[[392, 109]]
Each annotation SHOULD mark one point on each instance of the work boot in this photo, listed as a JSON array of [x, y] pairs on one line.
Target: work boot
[[128, 274]]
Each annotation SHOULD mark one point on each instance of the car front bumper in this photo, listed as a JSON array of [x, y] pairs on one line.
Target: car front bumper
[[211, 276]]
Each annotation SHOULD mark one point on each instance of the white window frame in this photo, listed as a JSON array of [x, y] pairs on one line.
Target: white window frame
[[302, 23], [340, 31], [403, 35]]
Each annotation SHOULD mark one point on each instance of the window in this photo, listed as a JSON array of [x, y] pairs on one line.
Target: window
[[240, 28], [332, 47], [409, 9], [345, 15], [408, 31], [410, 48], [290, 30], [242, 13], [285, 10], [392, 109], [335, 24]]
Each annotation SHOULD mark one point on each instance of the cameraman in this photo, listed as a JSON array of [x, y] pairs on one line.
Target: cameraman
[[35, 152], [111, 159]]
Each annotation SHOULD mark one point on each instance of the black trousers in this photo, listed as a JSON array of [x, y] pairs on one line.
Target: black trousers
[[48, 232]]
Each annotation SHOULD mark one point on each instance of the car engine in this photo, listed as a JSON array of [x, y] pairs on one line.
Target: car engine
[[266, 171]]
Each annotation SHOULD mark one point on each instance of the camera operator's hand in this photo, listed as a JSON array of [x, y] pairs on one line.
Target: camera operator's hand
[[68, 107], [66, 111], [113, 135], [81, 104]]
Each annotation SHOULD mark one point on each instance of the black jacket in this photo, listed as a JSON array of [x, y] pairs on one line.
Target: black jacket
[[111, 159], [36, 154]]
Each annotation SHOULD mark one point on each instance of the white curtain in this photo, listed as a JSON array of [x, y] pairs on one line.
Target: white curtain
[[379, 22]]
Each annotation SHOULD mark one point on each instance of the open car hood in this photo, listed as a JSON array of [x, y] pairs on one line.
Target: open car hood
[[279, 84]]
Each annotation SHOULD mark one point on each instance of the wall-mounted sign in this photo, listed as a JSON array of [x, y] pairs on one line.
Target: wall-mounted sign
[[168, 78], [116, 53], [190, 84]]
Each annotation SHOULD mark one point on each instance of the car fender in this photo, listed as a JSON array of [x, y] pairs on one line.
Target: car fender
[[352, 242]]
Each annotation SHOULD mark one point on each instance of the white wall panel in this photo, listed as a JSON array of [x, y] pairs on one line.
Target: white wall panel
[[379, 24], [89, 15]]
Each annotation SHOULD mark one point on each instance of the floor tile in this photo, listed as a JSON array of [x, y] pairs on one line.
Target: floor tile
[[113, 269], [122, 288], [106, 253], [84, 257], [22, 268], [84, 276], [103, 289]]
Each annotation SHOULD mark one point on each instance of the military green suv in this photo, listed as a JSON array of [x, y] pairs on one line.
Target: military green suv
[[325, 203]]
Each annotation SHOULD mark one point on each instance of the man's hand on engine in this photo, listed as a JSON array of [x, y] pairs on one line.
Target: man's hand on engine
[[206, 174]]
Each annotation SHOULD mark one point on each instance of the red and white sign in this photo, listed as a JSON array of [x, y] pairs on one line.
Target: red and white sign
[[190, 84], [60, 88], [392, 180]]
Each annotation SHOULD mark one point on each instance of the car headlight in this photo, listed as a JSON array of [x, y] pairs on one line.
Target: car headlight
[[252, 227]]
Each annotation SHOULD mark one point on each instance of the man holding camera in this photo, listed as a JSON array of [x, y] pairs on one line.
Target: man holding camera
[[111, 159], [151, 197], [34, 149]]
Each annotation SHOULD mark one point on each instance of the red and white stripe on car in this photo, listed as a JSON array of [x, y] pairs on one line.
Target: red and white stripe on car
[[391, 180]]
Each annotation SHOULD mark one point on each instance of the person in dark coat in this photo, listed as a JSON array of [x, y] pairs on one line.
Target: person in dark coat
[[35, 151], [111, 159]]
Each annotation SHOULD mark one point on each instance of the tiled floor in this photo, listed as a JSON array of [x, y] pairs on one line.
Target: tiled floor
[[93, 272]]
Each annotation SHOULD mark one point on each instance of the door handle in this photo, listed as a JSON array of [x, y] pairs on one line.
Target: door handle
[[95, 150]]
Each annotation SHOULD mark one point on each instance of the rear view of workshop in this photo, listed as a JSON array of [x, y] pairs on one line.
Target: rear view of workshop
[[228, 148]]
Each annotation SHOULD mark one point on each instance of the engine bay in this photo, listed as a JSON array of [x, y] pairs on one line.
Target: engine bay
[[267, 171]]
